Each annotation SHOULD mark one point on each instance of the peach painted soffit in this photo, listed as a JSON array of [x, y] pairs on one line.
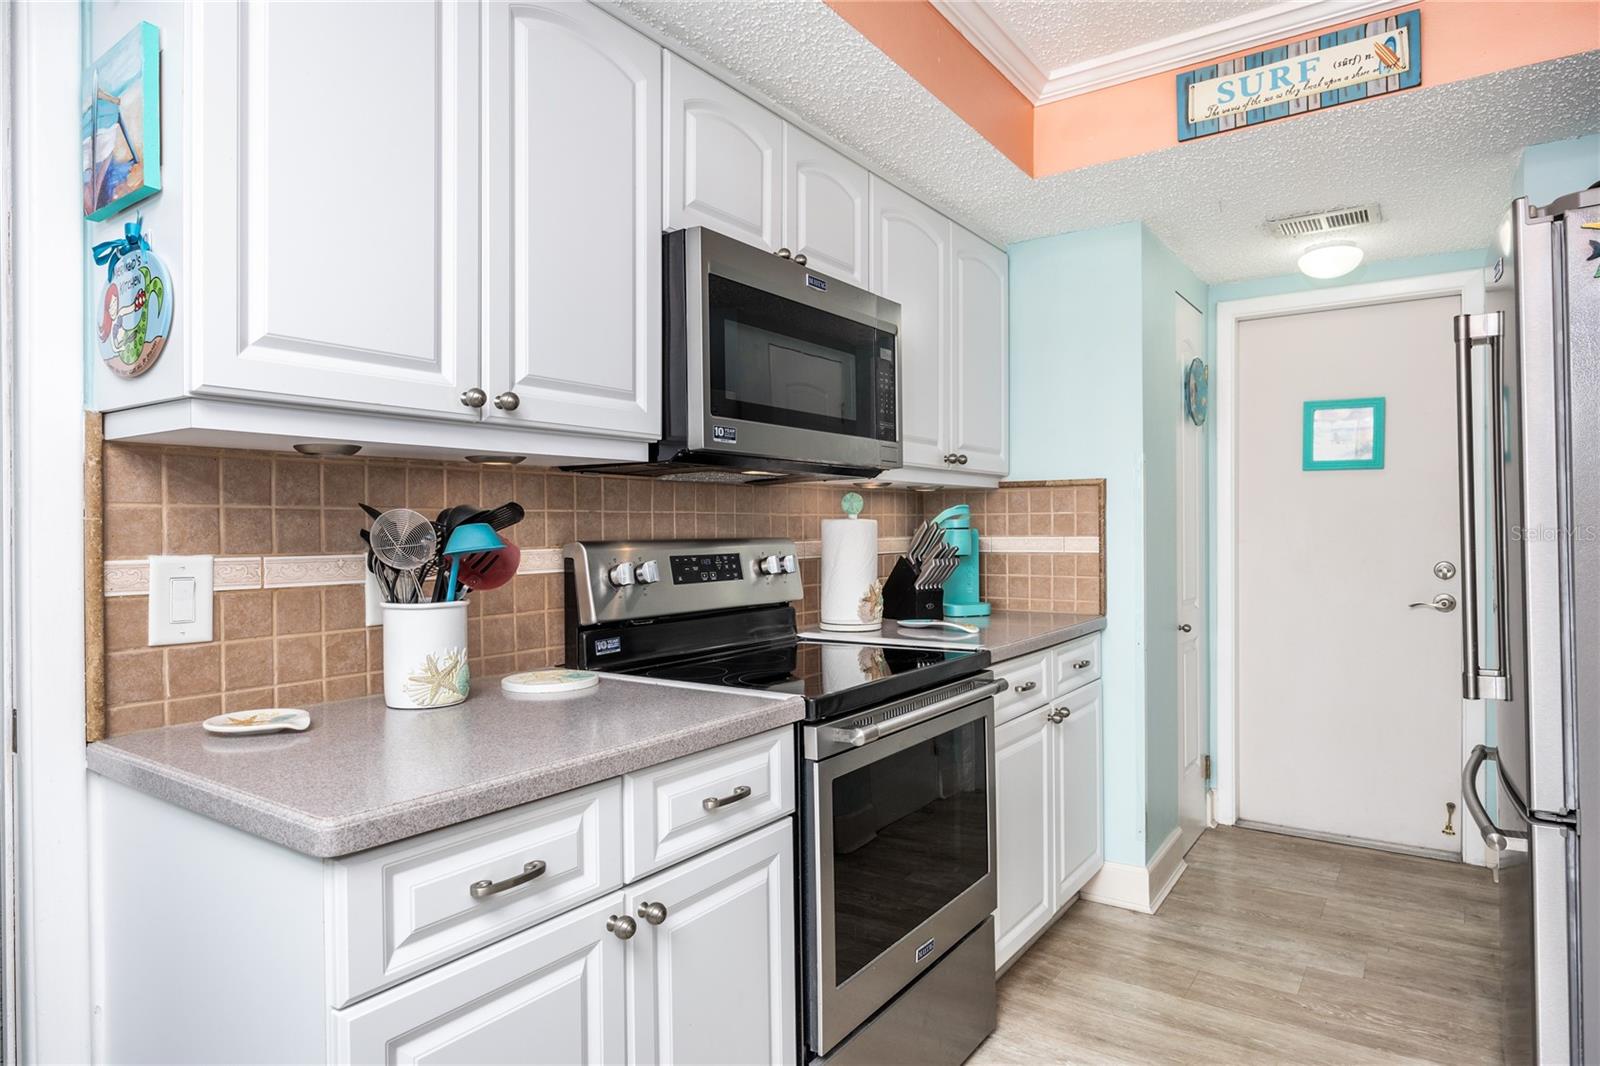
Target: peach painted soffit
[[1461, 39]]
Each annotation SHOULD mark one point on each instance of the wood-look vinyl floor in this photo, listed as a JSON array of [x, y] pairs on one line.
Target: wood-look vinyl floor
[[1269, 949]]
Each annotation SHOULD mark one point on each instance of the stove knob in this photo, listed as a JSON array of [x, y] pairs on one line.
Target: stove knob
[[621, 575], [771, 565], [647, 572], [790, 564]]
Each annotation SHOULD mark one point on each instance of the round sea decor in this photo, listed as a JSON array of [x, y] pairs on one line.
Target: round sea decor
[[134, 312], [548, 682], [1196, 391]]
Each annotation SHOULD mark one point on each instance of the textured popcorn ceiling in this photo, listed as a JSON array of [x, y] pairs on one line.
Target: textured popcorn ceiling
[[1059, 33], [1440, 161]]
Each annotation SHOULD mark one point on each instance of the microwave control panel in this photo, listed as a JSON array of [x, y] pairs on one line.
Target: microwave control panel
[[885, 392]]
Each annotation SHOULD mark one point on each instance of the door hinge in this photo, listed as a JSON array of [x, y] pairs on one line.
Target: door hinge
[[1205, 767]]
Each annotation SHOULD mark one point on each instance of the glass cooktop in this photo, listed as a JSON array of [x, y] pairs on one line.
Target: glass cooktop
[[835, 679]]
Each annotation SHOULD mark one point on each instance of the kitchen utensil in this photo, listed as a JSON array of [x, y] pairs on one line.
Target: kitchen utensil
[[502, 517], [931, 623], [548, 682], [467, 539], [271, 720], [445, 525], [383, 573], [482, 571], [404, 541]]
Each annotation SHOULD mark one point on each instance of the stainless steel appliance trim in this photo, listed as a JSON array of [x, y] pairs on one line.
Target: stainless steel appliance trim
[[708, 252], [1493, 835], [867, 734], [1553, 856], [836, 1010], [1469, 331], [599, 601]]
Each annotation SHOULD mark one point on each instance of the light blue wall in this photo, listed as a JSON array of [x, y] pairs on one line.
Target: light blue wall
[[1076, 392], [1552, 170], [1162, 275]]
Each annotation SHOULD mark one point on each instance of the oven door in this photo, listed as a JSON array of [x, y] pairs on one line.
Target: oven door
[[899, 865], [784, 362]]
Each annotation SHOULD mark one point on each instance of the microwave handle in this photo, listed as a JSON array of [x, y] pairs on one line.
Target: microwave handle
[[1471, 330], [878, 730]]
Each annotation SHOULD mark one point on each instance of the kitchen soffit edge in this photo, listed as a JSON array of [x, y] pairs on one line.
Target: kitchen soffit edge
[[1440, 160]]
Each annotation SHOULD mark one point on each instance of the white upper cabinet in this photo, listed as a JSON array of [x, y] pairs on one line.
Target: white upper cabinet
[[333, 191], [724, 158], [826, 201], [911, 266], [978, 429], [573, 220]]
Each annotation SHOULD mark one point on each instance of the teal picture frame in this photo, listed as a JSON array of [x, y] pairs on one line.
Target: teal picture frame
[[121, 124], [1343, 434]]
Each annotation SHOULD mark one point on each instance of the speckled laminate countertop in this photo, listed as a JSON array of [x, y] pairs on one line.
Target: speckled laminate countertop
[[1004, 634], [364, 775]]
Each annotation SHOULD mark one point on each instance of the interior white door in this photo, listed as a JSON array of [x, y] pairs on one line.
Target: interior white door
[[573, 315], [978, 419], [1024, 876], [713, 980], [1191, 344], [724, 158], [1349, 708], [314, 137], [825, 203], [911, 266]]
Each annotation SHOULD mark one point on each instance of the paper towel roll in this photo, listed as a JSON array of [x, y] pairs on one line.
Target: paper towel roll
[[852, 597]]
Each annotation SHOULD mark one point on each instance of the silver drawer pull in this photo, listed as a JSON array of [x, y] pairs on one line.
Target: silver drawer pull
[[654, 913], [1083, 664], [712, 803], [1059, 715], [1026, 686], [484, 889]]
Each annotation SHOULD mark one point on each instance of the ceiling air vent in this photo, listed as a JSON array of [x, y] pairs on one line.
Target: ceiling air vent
[[1321, 222]]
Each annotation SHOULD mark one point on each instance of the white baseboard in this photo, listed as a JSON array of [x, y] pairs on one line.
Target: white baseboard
[[1139, 888]]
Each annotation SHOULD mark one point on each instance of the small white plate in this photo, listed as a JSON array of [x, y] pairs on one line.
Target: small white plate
[[268, 720], [548, 682]]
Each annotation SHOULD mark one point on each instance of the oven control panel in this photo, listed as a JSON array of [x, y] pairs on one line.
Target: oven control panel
[[617, 581]]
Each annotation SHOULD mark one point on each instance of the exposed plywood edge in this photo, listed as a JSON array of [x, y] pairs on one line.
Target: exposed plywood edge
[[94, 603]]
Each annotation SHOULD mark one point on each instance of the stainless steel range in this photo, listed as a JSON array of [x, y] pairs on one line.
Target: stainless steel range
[[896, 774]]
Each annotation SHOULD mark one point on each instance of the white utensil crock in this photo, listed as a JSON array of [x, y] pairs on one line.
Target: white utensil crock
[[852, 598], [424, 654]]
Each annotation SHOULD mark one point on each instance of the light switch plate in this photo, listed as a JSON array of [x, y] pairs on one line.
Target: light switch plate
[[180, 599]]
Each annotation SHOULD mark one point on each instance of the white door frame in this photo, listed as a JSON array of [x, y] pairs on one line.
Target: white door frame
[[1468, 285]]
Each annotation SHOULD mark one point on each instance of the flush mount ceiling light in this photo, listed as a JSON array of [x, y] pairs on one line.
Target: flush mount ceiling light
[[1331, 260]]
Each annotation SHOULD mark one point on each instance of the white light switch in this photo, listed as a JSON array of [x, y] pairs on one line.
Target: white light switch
[[180, 599]]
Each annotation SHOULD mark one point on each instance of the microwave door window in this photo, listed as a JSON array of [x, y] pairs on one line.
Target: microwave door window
[[785, 363]]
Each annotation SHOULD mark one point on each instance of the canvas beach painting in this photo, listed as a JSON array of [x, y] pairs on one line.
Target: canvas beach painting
[[122, 124]]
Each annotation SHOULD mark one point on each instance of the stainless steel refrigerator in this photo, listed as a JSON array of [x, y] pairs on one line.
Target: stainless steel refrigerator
[[1528, 383]]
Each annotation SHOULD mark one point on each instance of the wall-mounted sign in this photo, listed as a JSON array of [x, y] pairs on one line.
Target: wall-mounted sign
[[1324, 70]]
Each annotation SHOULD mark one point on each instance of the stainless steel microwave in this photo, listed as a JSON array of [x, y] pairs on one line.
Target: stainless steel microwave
[[773, 371]]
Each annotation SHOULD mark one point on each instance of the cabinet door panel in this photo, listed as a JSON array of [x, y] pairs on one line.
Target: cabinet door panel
[[574, 219], [979, 360], [724, 158], [1026, 878], [1079, 846], [334, 204], [553, 994], [911, 266], [714, 982], [826, 199]]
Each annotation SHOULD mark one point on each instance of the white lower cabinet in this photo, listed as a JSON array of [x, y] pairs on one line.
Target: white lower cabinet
[[555, 993], [711, 969], [1048, 809]]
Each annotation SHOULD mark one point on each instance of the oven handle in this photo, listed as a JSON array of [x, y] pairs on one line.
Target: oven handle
[[878, 730]]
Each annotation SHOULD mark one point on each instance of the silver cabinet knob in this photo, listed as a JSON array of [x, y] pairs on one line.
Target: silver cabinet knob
[[1185, 627], [1059, 715], [1444, 603], [951, 458], [654, 913], [783, 253], [800, 257], [962, 459], [621, 926], [474, 398], [507, 401]]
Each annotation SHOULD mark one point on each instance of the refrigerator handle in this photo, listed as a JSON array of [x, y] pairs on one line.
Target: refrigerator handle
[[1477, 682], [1493, 835]]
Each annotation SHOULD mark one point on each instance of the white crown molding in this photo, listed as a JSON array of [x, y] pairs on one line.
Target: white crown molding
[[1022, 68]]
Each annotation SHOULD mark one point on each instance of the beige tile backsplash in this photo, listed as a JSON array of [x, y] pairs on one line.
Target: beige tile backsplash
[[295, 646]]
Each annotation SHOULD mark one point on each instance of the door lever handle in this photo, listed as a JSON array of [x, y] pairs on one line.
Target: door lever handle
[[1444, 603]]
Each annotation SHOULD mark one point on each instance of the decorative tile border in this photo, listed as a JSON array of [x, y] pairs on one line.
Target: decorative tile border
[[131, 577]]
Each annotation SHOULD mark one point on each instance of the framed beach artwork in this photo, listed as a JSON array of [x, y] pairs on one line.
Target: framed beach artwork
[[122, 124], [1343, 435]]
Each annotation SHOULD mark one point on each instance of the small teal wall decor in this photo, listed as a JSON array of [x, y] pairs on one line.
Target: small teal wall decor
[[122, 124], [1343, 434], [1197, 391]]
